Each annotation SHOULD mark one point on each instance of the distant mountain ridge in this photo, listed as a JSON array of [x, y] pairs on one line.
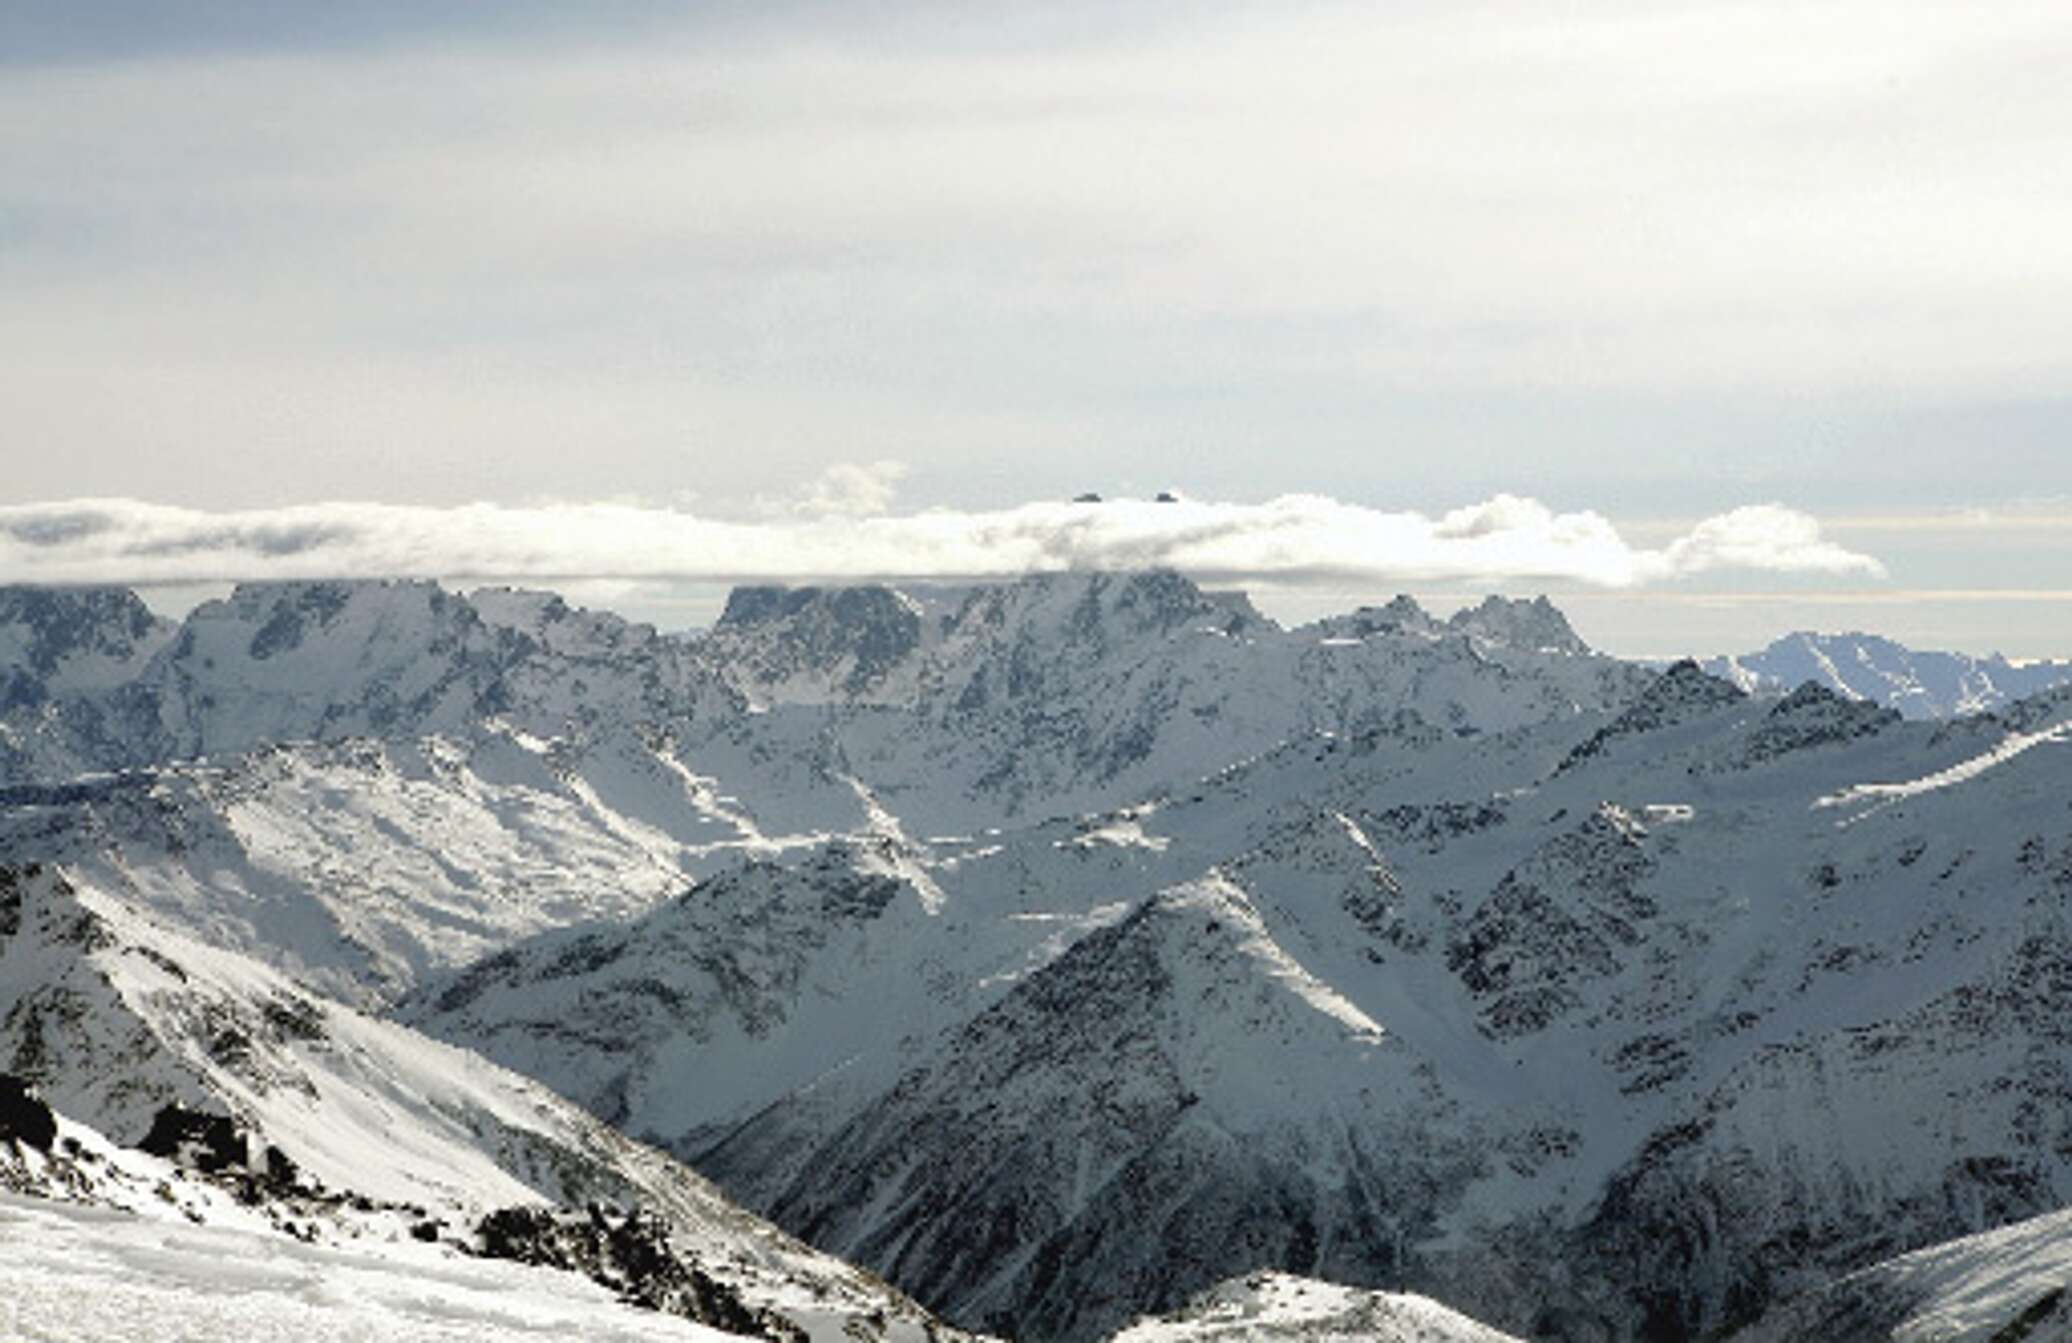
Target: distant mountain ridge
[[1866, 667]]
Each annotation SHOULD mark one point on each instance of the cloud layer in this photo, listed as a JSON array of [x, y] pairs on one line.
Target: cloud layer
[[1294, 539]]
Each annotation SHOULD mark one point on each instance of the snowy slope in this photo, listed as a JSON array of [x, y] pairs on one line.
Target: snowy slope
[[115, 1016], [1999, 1286], [1281, 1306], [1919, 684], [77, 1274], [359, 866]]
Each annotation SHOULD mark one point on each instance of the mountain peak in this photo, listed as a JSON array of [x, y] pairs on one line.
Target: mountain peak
[[1683, 692], [1097, 606], [1400, 615], [852, 636], [1685, 684], [1532, 625], [79, 638], [289, 612], [1918, 683]]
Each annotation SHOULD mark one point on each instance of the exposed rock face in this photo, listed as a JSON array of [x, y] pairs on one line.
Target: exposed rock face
[[1078, 1149], [1681, 694], [634, 1255], [208, 1142], [1571, 913], [59, 640], [1813, 716], [855, 636], [1532, 626], [1400, 616], [24, 1118]]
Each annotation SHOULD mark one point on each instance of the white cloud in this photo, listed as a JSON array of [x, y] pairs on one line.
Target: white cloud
[[850, 490], [1757, 537], [1294, 539]]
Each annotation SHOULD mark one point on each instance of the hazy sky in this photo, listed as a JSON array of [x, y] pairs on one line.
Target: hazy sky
[[1716, 320]]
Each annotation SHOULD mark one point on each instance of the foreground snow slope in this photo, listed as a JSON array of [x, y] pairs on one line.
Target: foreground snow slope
[[78, 1274], [114, 1016]]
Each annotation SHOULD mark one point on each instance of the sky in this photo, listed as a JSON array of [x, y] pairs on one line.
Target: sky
[[1712, 320]]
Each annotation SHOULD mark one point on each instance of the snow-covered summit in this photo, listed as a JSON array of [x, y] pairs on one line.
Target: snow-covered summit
[[289, 661], [1917, 683], [825, 641], [1532, 626]]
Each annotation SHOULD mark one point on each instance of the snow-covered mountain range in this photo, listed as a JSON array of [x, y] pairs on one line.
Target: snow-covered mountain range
[[1918, 684], [1056, 949]]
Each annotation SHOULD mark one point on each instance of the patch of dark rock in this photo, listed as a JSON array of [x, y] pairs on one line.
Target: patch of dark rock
[[294, 1018], [10, 901], [24, 1118], [1431, 826], [2024, 1325], [1681, 693], [208, 1142], [631, 1254], [159, 959]]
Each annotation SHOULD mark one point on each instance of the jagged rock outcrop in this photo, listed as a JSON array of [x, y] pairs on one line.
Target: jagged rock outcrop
[[24, 1118], [58, 641], [1399, 616], [1534, 626], [1679, 695]]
